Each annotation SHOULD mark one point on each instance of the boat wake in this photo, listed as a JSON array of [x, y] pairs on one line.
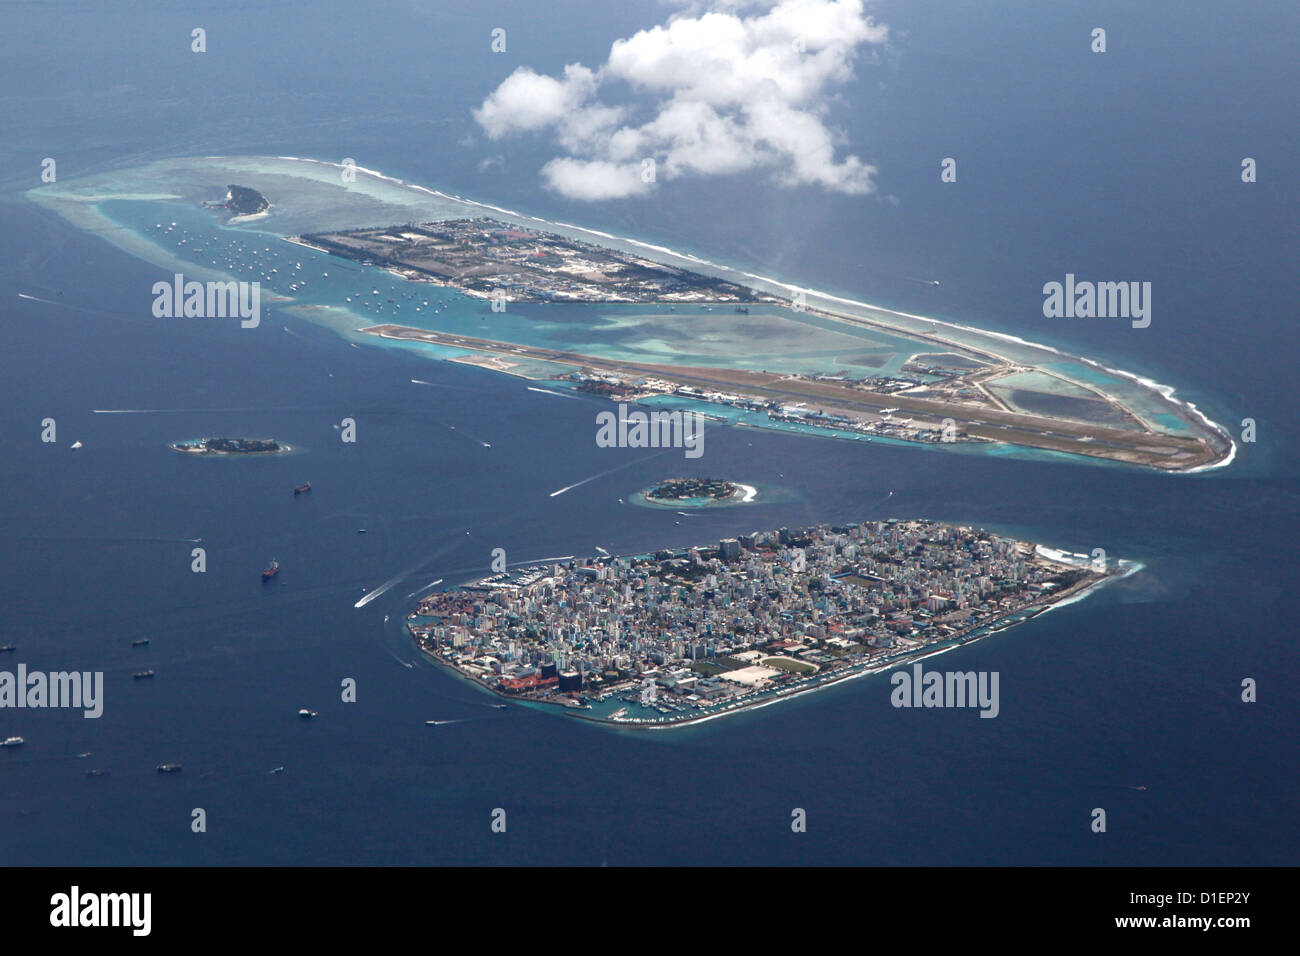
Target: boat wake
[[547, 391], [628, 464]]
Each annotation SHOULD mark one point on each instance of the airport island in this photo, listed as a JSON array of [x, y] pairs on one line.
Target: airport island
[[625, 319], [947, 391], [680, 636]]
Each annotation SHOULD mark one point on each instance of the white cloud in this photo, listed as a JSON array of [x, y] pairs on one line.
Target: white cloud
[[594, 179], [739, 85], [527, 100]]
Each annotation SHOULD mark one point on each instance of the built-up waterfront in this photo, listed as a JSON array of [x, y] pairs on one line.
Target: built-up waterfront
[[683, 635]]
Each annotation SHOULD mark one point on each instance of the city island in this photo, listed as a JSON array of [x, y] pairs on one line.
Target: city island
[[231, 446], [946, 391], [682, 636]]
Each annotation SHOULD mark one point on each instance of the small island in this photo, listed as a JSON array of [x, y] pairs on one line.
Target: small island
[[696, 493], [230, 446], [242, 201], [679, 489]]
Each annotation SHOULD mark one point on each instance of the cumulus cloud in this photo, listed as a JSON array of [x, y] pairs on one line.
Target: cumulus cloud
[[527, 100], [724, 86]]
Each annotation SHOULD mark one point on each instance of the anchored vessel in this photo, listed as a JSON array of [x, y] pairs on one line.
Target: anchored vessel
[[302, 489], [271, 570], [168, 768]]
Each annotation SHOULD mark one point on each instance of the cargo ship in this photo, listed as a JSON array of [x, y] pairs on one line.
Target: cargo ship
[[302, 489], [142, 675], [271, 570], [140, 642], [8, 648]]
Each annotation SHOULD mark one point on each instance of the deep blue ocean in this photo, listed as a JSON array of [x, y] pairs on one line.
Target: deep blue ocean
[[1123, 165]]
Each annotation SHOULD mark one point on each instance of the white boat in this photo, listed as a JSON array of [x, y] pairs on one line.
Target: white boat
[[306, 714], [11, 742]]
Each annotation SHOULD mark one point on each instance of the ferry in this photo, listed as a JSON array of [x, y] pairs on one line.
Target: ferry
[[306, 714], [271, 570], [11, 742]]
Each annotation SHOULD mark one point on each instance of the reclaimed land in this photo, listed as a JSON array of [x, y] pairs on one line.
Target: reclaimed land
[[845, 400], [950, 396]]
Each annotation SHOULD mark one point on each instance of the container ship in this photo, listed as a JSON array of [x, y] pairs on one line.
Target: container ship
[[271, 570]]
